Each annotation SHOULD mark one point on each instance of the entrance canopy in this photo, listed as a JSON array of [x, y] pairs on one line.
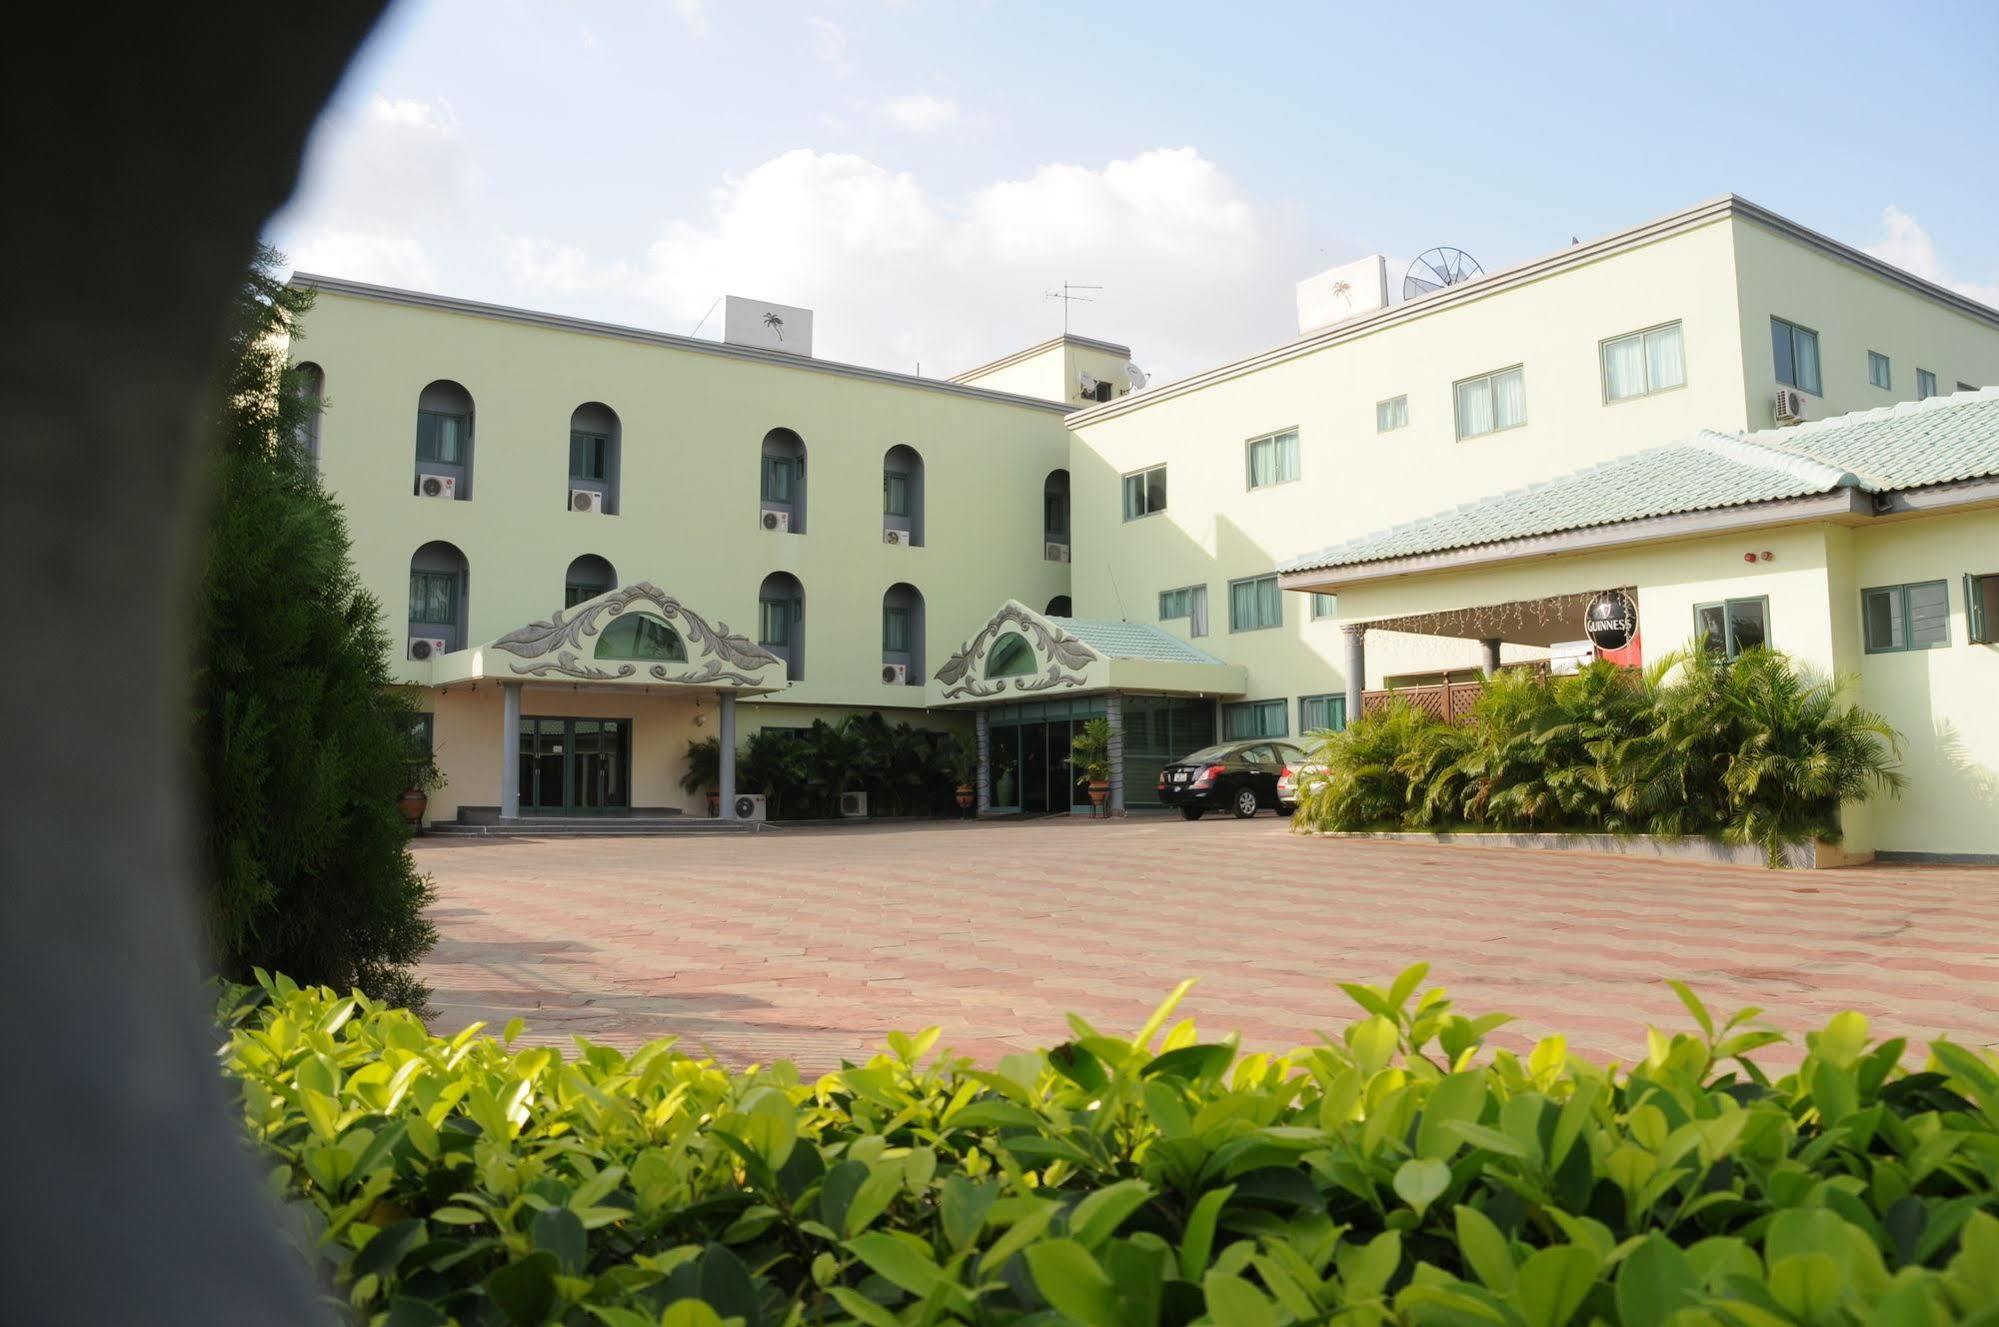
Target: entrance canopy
[[637, 636], [1021, 654]]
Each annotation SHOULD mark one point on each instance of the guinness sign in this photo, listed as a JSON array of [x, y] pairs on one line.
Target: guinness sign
[[1611, 620]]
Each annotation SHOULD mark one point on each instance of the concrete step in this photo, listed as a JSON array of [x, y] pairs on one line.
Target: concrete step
[[592, 827]]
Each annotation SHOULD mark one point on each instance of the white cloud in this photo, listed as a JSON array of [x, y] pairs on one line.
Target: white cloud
[[1906, 244], [378, 179], [921, 113], [693, 15], [829, 45], [1193, 271]]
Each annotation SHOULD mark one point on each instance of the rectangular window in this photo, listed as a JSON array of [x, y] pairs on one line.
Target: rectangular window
[[441, 437], [573, 595], [434, 598], [1255, 603], [421, 746], [1966, 387], [1391, 414], [1733, 625], [780, 478], [1322, 713], [1273, 460], [1491, 403], [1797, 354], [1642, 363], [895, 629], [1906, 617], [1145, 493], [1926, 384], [1189, 602], [1055, 517], [895, 493], [1879, 372], [1324, 605], [589, 456], [774, 621], [1255, 718], [1981, 608]]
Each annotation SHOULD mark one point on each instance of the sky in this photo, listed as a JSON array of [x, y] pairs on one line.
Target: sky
[[922, 174]]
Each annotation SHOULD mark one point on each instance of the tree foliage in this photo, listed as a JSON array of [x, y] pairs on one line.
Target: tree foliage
[[300, 740]]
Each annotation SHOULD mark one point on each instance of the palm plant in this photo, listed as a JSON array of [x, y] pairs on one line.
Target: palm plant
[[704, 767], [1364, 786], [1589, 717]]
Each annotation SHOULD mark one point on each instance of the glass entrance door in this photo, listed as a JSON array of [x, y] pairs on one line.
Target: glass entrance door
[[1034, 767], [575, 766]]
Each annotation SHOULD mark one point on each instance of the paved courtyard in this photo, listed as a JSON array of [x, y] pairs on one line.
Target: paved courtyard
[[810, 944]]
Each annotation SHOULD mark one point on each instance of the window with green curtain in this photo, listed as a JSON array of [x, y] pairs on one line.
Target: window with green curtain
[[1880, 373], [1733, 625], [1795, 351], [1255, 718], [1906, 617], [1643, 363], [1324, 605], [780, 476], [1175, 604], [895, 493], [774, 619], [434, 598], [1981, 608], [1322, 713], [1011, 656], [895, 628], [1391, 414], [640, 636], [441, 437], [589, 456], [1273, 460], [1255, 603]]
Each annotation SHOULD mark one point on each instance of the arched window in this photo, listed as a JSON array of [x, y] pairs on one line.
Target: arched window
[[781, 482], [902, 495], [440, 596], [643, 637], [594, 436], [781, 621], [444, 441], [1011, 656], [1055, 516], [309, 382], [587, 577], [1057, 607], [902, 635]]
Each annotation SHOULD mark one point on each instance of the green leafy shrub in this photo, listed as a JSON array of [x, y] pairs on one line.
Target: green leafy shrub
[[1752, 750], [905, 770], [1396, 1173]]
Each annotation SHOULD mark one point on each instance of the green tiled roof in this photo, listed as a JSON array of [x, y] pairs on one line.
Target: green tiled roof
[[1131, 640], [1912, 445]]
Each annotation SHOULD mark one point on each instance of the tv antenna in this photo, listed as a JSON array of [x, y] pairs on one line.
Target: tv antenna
[[1068, 296]]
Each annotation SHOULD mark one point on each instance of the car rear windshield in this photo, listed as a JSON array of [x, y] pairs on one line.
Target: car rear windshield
[[1209, 753]]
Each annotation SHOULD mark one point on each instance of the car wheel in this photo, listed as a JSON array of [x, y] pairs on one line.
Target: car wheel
[[1244, 804], [1190, 813]]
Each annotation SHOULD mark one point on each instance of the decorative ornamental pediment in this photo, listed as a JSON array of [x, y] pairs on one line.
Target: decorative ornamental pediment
[[1061, 659], [561, 642]]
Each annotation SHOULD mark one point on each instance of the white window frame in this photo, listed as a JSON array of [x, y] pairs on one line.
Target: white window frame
[[1249, 460], [1457, 415], [1142, 474], [1926, 379], [1603, 362], [1886, 382], [1398, 413]]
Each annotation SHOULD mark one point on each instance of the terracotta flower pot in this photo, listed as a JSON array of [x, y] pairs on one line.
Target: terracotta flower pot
[[965, 797], [413, 804], [1100, 791]]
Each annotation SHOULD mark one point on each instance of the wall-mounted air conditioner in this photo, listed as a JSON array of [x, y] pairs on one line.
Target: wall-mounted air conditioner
[[1054, 552], [437, 486], [1789, 407], [895, 675], [897, 537], [854, 806], [748, 806], [586, 499], [779, 521], [427, 647]]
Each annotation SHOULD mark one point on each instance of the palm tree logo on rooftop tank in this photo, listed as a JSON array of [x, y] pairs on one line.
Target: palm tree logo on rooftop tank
[[775, 323]]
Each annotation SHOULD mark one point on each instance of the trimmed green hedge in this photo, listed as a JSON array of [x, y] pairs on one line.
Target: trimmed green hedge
[[1396, 1173]]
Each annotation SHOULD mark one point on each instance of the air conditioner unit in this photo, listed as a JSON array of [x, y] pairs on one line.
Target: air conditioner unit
[[748, 806], [779, 521], [586, 499], [895, 675], [1052, 552], [895, 536], [853, 806], [1789, 406], [437, 486], [427, 647]]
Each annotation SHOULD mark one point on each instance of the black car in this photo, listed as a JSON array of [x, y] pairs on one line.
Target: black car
[[1236, 776]]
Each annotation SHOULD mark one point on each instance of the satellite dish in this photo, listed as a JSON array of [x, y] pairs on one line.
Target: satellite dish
[[1436, 268], [1134, 375]]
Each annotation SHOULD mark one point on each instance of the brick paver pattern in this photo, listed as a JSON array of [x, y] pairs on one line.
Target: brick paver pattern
[[811, 944]]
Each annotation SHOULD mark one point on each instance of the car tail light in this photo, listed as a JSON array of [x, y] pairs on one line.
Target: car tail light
[[1289, 773], [1209, 774]]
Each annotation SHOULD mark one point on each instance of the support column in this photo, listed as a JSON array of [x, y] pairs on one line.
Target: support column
[[1356, 633], [510, 750], [983, 784], [1114, 717], [725, 734], [1489, 664]]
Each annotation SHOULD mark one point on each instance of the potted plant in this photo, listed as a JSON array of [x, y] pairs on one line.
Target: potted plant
[[425, 779], [964, 768], [1091, 758], [704, 772]]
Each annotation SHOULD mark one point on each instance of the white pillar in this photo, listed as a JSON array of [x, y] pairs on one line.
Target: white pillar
[[1489, 663], [726, 736], [1356, 633], [510, 750], [1114, 719]]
